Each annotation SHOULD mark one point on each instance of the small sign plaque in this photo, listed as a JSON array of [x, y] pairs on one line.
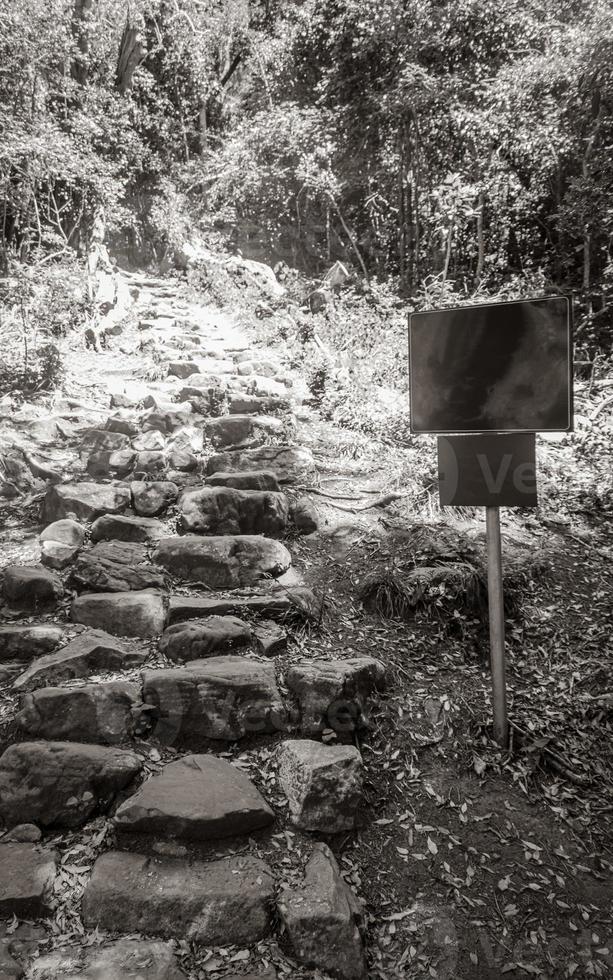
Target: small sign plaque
[[488, 470]]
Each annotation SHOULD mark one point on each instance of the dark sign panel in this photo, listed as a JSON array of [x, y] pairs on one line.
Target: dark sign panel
[[501, 367], [487, 470]]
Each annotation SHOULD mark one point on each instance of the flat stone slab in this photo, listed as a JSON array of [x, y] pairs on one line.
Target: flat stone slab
[[199, 638], [116, 566], [288, 463], [280, 604], [26, 880], [223, 698], [334, 693], [223, 562], [92, 652], [31, 586], [250, 480], [323, 919], [122, 613], [84, 501], [197, 798], [323, 784], [241, 431], [26, 642], [125, 528], [100, 713], [126, 959], [243, 404], [224, 902], [225, 510], [61, 784]]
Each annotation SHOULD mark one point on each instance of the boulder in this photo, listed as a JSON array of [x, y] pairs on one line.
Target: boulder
[[257, 384], [334, 693], [200, 638], [303, 515], [243, 404], [323, 919], [102, 440], [115, 464], [182, 459], [123, 422], [120, 528], [116, 566], [182, 369], [255, 480], [258, 365], [150, 463], [23, 833], [27, 642], [101, 713], [289, 463], [84, 501], [93, 652], [241, 431], [224, 510], [122, 613], [223, 562], [124, 959], [222, 698], [61, 784], [323, 784], [152, 498], [149, 442], [196, 798], [165, 421], [219, 903], [270, 638], [61, 542], [31, 587], [26, 882]]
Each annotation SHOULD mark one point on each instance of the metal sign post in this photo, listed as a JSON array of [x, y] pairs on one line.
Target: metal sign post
[[496, 617]]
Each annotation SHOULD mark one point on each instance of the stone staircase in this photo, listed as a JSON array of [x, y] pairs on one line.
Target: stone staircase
[[151, 638]]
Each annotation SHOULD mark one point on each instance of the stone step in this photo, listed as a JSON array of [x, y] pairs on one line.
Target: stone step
[[152, 498], [250, 480], [225, 510], [125, 959], [116, 566], [142, 530], [224, 561], [335, 693], [200, 638], [26, 642], [84, 501], [323, 784], [197, 798], [26, 881], [289, 463], [93, 652], [219, 903], [282, 603], [61, 784], [104, 713], [31, 587], [222, 698], [242, 431], [141, 614]]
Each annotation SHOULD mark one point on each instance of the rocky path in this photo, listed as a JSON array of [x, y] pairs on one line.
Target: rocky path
[[146, 690]]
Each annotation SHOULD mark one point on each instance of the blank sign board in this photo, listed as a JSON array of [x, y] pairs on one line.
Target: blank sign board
[[500, 367], [488, 470]]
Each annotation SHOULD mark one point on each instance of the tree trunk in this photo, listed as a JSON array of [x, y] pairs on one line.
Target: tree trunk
[[480, 239], [132, 51], [80, 31]]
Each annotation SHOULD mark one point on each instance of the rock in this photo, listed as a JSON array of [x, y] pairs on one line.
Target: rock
[[116, 566], [224, 902], [26, 883], [84, 501], [61, 784], [323, 919], [182, 369], [254, 365], [224, 510], [23, 833], [182, 459], [255, 480], [27, 642], [323, 784], [114, 465], [334, 693], [221, 698], [10, 969], [303, 515], [262, 275], [61, 543], [122, 422], [223, 562], [264, 387], [125, 959], [123, 613], [278, 604], [242, 404], [122, 401], [151, 441], [150, 463], [200, 638], [270, 974], [241, 431], [166, 421], [30, 587], [197, 798], [270, 638], [152, 498], [101, 440], [120, 528], [93, 652], [101, 713], [287, 462]]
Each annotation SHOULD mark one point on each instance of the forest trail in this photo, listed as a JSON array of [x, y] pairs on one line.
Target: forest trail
[[200, 726]]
